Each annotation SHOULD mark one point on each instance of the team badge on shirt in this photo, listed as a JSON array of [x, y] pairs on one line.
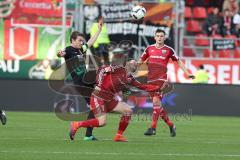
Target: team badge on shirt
[[164, 51]]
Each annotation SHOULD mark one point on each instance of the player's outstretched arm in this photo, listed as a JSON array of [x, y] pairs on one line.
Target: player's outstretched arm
[[93, 39], [182, 66]]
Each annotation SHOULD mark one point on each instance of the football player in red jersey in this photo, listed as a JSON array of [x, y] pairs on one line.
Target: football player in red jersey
[[157, 57], [109, 82]]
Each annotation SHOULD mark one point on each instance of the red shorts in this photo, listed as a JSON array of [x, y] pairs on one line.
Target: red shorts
[[158, 83], [99, 106]]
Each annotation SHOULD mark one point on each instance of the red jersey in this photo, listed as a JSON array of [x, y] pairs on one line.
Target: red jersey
[[157, 61], [113, 79]]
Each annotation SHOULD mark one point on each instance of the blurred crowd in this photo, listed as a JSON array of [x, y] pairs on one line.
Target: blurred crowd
[[224, 21]]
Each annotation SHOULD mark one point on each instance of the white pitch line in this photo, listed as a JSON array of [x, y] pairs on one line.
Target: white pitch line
[[135, 140], [129, 154]]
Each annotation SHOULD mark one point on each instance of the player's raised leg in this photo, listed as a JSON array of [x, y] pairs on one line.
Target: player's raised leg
[[88, 135], [98, 108], [126, 112], [99, 121]]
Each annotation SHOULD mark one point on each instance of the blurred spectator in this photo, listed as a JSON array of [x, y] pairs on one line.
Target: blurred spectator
[[236, 21], [232, 5], [201, 75], [100, 46], [213, 22], [227, 24]]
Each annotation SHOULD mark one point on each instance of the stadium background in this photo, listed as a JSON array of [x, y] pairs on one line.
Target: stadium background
[[30, 37]]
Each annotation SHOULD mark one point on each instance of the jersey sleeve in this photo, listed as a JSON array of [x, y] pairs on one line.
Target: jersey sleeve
[[145, 54], [67, 51], [99, 77], [145, 87], [174, 56]]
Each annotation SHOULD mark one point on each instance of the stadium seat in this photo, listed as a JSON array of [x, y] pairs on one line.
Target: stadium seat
[[206, 53], [188, 52], [199, 12], [237, 53], [210, 10], [185, 42], [188, 12], [225, 54], [201, 41], [193, 26]]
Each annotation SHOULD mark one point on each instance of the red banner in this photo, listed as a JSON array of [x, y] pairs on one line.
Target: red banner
[[44, 8], [38, 13], [20, 42]]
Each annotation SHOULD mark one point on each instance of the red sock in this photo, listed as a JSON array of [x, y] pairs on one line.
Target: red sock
[[123, 123], [89, 123], [164, 116], [156, 113]]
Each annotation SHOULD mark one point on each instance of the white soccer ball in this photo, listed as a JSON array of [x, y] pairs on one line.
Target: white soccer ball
[[138, 12]]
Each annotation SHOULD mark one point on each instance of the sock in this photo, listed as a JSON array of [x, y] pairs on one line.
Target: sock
[[123, 123], [156, 113], [89, 123], [164, 116], [89, 129]]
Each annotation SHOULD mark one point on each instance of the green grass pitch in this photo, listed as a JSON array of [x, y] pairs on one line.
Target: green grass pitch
[[41, 136]]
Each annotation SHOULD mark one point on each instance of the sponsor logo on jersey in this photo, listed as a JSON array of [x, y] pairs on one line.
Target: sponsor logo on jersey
[[159, 57]]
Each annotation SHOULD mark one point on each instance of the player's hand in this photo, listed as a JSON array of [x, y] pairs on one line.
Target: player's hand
[[60, 53], [191, 76], [100, 23]]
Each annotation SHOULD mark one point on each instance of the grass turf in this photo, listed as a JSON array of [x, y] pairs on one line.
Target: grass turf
[[41, 136]]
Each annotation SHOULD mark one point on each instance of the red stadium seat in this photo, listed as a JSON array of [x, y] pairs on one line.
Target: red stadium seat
[[201, 41], [225, 54], [185, 42], [188, 52], [188, 12], [193, 26], [210, 10], [199, 12], [236, 53], [206, 53]]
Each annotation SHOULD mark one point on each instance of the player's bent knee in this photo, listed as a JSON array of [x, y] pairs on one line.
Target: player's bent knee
[[102, 121], [128, 111]]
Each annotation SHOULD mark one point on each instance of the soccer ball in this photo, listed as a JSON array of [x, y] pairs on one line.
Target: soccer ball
[[138, 12]]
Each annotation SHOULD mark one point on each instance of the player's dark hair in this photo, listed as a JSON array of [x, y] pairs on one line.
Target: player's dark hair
[[160, 31], [74, 35]]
